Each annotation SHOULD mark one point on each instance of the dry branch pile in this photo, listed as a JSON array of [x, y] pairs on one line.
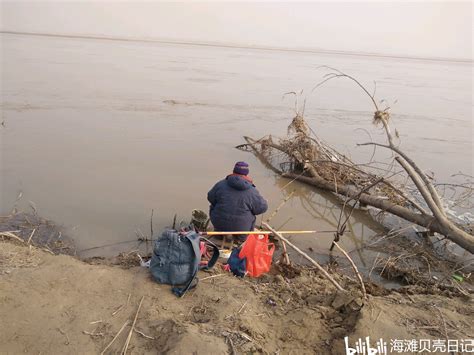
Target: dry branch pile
[[303, 156]]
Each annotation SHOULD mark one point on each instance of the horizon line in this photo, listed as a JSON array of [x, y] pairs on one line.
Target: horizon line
[[239, 46]]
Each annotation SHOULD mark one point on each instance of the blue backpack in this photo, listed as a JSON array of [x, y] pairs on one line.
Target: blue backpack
[[176, 258]]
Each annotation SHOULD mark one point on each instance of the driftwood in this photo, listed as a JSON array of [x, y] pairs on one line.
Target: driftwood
[[311, 161]]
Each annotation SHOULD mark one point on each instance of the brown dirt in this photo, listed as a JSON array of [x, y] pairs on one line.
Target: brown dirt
[[56, 304]]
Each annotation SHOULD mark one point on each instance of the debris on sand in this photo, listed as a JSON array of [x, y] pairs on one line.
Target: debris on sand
[[299, 312], [91, 305], [34, 230]]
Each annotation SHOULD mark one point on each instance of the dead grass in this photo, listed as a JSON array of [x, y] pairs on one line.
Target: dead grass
[[12, 256]]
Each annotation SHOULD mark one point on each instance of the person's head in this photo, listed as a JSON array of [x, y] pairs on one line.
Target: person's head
[[241, 168]]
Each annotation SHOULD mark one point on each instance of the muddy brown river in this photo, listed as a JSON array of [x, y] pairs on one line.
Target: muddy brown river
[[97, 133]]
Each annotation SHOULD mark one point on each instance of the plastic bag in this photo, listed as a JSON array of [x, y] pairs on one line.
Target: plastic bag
[[258, 253]]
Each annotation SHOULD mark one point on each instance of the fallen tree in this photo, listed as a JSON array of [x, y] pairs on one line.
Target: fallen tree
[[304, 157]]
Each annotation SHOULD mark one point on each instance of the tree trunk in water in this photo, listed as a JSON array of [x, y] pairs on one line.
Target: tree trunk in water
[[460, 237]]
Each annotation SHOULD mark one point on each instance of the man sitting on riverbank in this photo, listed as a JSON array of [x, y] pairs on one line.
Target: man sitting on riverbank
[[235, 201]]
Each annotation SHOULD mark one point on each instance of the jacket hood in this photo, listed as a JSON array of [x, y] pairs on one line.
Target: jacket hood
[[238, 183]]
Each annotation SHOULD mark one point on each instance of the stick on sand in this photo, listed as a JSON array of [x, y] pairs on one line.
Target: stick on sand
[[125, 348], [115, 337], [362, 286]]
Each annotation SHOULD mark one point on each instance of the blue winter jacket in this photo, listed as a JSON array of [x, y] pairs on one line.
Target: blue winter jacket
[[234, 204]]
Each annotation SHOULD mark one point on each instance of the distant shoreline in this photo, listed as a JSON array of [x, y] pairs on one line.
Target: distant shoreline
[[242, 46]]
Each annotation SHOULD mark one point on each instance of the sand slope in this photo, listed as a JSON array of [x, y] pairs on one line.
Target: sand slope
[[60, 305]]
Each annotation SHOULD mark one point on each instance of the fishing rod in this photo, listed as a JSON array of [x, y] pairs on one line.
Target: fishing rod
[[263, 232], [113, 244], [210, 234]]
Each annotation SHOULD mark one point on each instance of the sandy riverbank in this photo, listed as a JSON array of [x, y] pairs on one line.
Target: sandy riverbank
[[57, 304]]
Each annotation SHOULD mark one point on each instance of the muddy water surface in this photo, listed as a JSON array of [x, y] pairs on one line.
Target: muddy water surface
[[97, 133]]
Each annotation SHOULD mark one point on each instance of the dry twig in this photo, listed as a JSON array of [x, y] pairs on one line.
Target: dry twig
[[212, 276], [115, 337], [11, 235], [362, 286], [31, 236], [127, 342], [143, 334]]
